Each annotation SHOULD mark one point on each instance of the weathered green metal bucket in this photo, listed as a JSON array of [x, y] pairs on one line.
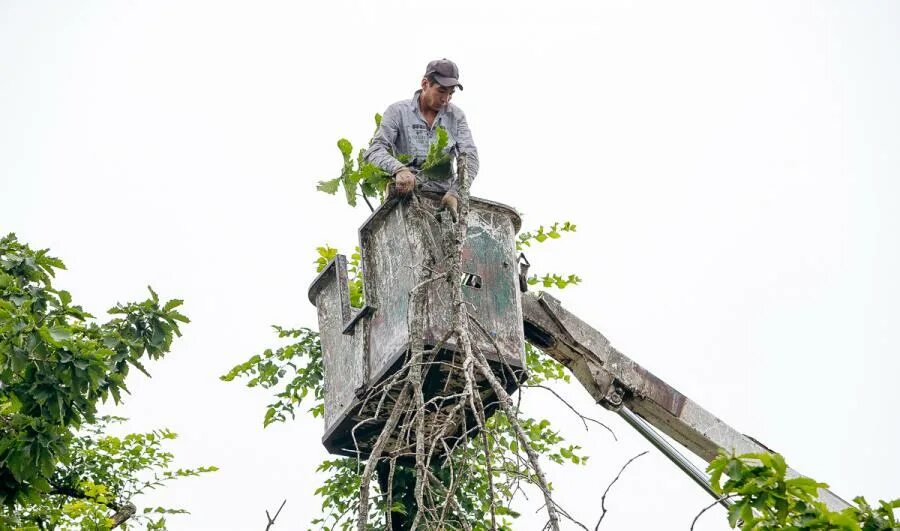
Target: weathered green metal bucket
[[361, 347]]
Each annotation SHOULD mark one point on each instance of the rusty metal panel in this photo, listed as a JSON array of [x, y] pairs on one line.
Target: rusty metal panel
[[346, 371], [391, 258], [389, 266], [490, 252], [488, 255]]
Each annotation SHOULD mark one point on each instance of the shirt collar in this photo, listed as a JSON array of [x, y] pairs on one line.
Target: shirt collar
[[414, 103]]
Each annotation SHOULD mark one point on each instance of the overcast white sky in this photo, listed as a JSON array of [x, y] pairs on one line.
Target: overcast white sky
[[733, 168]]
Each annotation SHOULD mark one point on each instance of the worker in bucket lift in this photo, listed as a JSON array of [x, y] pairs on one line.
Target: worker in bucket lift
[[409, 127]]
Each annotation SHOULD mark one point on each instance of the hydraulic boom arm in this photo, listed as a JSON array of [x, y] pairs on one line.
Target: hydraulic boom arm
[[619, 384]]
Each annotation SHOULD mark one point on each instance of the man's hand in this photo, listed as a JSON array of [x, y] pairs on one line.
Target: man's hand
[[449, 203], [405, 181]]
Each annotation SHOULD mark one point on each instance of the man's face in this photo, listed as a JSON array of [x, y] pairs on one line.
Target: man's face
[[434, 96]]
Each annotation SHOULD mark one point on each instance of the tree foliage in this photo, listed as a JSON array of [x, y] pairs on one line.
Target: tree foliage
[[293, 372], [361, 178], [766, 498], [101, 476], [526, 239], [357, 176], [57, 365]]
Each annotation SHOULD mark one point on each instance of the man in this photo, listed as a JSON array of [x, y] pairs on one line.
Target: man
[[409, 127]]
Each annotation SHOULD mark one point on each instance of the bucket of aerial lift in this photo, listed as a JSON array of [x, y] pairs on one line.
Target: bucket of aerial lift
[[362, 347]]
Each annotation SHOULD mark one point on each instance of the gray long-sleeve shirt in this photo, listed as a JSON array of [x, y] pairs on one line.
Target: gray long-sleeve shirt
[[403, 130]]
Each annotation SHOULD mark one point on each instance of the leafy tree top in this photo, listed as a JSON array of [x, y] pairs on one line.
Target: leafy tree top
[[58, 363]]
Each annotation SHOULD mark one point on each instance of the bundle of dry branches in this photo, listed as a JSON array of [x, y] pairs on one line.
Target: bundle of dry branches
[[431, 433]]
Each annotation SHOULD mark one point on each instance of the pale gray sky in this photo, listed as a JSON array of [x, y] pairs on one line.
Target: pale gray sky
[[732, 168]]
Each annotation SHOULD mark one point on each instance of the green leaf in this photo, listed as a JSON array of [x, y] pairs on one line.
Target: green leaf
[[437, 155], [350, 181], [65, 297], [345, 146], [172, 304], [329, 187], [175, 316], [60, 333], [734, 512]]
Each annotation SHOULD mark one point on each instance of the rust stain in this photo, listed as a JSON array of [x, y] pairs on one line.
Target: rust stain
[[660, 392]]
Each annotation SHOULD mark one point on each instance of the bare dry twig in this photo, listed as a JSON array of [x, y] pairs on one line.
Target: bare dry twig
[[272, 519], [710, 506], [611, 483], [583, 418]]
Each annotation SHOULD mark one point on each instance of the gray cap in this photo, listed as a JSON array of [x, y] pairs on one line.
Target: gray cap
[[445, 72]]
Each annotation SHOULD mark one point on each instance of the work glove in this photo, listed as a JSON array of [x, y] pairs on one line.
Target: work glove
[[405, 181], [449, 203]]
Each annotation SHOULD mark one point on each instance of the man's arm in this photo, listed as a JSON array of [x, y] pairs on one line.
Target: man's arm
[[381, 149], [465, 146]]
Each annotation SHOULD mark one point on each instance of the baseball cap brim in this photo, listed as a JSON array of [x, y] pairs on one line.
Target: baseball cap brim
[[447, 81]]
